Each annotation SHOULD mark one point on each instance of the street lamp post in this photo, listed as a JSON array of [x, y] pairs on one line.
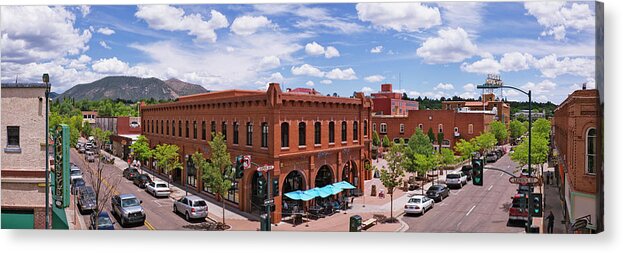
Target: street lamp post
[[46, 80], [494, 82]]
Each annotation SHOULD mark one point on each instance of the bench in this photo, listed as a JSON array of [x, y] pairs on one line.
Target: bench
[[368, 223]]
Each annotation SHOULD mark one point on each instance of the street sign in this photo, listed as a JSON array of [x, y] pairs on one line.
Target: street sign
[[269, 202], [265, 168], [524, 180], [246, 162]]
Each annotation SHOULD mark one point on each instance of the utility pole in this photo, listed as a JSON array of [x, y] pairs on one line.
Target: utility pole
[[46, 80]]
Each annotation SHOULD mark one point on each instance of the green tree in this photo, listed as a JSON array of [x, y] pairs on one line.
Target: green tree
[[419, 143], [484, 142], [87, 130], [219, 174], [541, 127], [141, 150], [386, 141], [517, 129], [376, 140], [391, 177], [431, 135], [446, 157], [167, 157], [540, 150], [101, 137], [498, 129], [440, 139], [464, 148]]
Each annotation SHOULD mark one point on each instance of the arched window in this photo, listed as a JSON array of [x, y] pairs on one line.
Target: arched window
[[470, 128], [402, 128], [203, 130], [331, 132], [212, 129], [264, 135], [224, 130], [179, 127], [365, 128], [373, 127], [249, 134], [156, 126], [355, 130], [285, 135], [194, 129], [421, 126], [317, 133], [302, 136], [167, 127], [343, 131], [187, 129], [440, 128], [161, 126], [236, 131], [591, 150], [173, 128]]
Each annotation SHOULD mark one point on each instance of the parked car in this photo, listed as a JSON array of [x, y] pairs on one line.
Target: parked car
[[192, 207], [491, 157], [456, 179], [74, 173], [90, 158], [101, 221], [89, 146], [130, 173], [517, 212], [438, 192], [82, 149], [467, 170], [158, 189], [76, 184], [418, 204], [128, 208], [86, 199], [142, 180], [523, 189]]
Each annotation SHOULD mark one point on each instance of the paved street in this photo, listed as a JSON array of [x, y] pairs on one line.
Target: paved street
[[159, 211], [472, 208]]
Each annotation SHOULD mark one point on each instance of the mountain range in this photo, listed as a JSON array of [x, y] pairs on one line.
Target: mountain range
[[132, 88]]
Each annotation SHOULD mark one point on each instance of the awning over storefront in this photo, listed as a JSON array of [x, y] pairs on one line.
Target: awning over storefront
[[299, 195], [344, 185], [331, 190], [316, 192]]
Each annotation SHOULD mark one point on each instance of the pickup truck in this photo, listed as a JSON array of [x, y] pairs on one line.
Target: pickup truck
[[128, 208], [519, 208]]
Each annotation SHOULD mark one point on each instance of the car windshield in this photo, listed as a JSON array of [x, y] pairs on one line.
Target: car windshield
[[130, 202], [199, 203], [79, 183], [416, 201], [75, 172], [103, 222], [161, 186], [433, 188], [453, 176], [89, 192]]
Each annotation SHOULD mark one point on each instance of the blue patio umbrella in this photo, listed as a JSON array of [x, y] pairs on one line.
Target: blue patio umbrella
[[299, 195], [331, 189], [316, 192], [344, 185]]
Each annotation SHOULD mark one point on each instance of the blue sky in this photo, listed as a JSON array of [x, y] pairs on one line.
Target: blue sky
[[429, 49]]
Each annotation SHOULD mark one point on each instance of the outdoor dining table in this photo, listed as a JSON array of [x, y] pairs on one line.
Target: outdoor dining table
[[316, 211]]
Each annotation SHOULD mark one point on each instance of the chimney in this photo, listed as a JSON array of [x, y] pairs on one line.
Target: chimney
[[386, 87], [584, 86]]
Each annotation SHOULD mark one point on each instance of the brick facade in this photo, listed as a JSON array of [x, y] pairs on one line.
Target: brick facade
[[488, 103], [273, 109], [388, 102]]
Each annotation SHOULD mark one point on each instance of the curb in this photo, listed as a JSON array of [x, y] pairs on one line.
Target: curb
[[404, 226]]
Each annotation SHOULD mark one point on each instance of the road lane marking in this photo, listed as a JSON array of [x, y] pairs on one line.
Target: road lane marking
[[490, 188], [470, 210], [149, 226], [501, 174]]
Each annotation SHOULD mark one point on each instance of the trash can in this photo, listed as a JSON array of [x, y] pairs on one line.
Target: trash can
[[355, 223]]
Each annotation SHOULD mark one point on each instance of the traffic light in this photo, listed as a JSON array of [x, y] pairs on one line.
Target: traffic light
[[536, 204], [477, 171], [239, 166], [260, 184], [275, 187]]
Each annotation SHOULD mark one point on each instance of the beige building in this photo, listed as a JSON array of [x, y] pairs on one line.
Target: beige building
[[23, 155]]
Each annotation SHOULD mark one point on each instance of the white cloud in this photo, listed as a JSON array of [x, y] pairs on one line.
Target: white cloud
[[342, 74], [483, 66], [367, 90], [376, 50], [307, 70], [543, 87], [469, 87], [451, 45], [229, 49], [165, 17], [85, 10], [270, 62], [557, 16], [407, 17], [309, 83], [331, 52], [39, 33], [551, 67], [104, 45], [247, 25], [468, 15], [374, 78], [516, 61], [314, 49], [276, 77], [110, 66], [326, 81], [467, 94], [313, 19], [106, 31], [444, 86]]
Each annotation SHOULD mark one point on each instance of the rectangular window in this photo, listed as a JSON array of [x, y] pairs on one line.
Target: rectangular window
[[355, 131], [402, 128], [179, 128], [224, 130], [173, 128], [187, 129], [591, 150], [212, 130], [236, 132], [194, 129], [343, 131], [470, 129], [383, 129], [264, 135], [203, 130], [373, 127], [331, 132], [12, 136], [167, 127], [249, 134], [317, 133]]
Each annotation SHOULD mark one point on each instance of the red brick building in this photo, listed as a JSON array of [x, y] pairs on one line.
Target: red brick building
[[575, 132], [388, 102], [310, 139], [488, 103], [455, 125]]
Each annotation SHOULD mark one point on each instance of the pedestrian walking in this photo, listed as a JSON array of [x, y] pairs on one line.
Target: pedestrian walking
[[550, 223]]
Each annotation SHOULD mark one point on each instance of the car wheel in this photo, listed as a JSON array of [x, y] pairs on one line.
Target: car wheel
[[122, 222], [187, 217], [174, 208], [440, 197]]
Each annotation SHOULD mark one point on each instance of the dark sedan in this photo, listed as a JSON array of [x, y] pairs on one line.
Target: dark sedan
[[438, 192], [142, 180], [86, 199], [101, 222], [76, 184], [130, 173], [467, 170]]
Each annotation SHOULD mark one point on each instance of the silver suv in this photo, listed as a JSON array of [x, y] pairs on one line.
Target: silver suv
[[128, 208], [456, 179]]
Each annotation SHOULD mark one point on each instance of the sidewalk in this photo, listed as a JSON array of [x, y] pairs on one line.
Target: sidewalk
[[553, 202]]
